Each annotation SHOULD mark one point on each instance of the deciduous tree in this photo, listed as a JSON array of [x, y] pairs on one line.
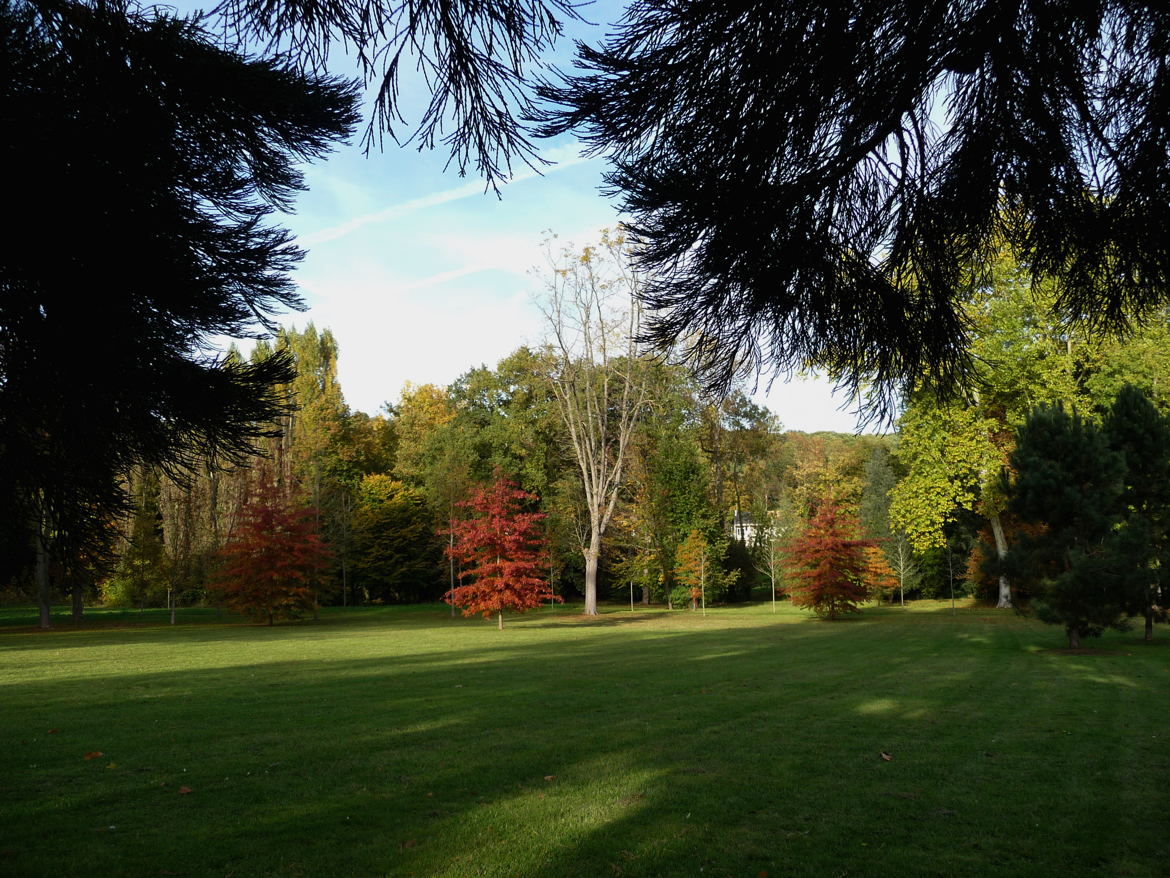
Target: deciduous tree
[[501, 548], [271, 558], [598, 378], [395, 551], [700, 571], [827, 565]]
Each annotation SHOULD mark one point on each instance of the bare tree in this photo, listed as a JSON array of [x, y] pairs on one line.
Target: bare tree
[[597, 378]]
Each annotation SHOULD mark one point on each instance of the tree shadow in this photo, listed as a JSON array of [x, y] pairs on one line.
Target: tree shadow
[[582, 751]]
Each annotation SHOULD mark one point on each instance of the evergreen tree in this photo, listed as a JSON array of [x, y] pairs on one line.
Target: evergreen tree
[[1079, 567], [170, 154], [1141, 435], [798, 200]]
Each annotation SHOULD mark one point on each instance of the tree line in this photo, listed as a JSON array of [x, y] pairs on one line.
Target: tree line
[[708, 500]]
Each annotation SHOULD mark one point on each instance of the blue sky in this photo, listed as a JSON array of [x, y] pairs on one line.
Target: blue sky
[[421, 275]]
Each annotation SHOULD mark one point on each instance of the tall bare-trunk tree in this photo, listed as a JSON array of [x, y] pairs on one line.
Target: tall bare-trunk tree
[[597, 377]]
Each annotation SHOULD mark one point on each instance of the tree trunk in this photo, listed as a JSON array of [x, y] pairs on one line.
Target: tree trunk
[[645, 595], [1001, 549], [1074, 637], [1149, 624], [78, 609], [500, 617], [451, 562], [592, 555], [42, 576]]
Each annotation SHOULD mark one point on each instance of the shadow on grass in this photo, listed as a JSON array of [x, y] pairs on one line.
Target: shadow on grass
[[611, 748]]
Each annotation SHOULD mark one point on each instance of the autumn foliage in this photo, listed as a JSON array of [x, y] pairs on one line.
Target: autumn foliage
[[878, 575], [502, 550], [271, 559], [828, 565]]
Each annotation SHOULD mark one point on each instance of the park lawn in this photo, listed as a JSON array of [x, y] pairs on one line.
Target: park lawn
[[397, 741]]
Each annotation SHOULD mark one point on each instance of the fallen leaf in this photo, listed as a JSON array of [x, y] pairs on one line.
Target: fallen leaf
[[112, 765], [184, 790], [52, 731], [887, 757], [94, 754], [406, 845], [550, 777]]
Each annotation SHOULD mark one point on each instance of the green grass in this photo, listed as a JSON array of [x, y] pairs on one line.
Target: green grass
[[399, 742]]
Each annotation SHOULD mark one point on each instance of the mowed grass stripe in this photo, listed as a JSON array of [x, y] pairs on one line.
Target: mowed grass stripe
[[401, 742]]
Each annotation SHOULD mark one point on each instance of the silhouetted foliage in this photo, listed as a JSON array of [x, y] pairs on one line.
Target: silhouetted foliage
[[474, 57], [795, 199], [145, 161]]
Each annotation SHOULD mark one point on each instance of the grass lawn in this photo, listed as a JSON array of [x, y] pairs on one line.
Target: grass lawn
[[397, 741]]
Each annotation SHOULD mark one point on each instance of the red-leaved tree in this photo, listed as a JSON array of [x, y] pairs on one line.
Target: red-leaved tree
[[828, 564], [271, 559], [502, 549]]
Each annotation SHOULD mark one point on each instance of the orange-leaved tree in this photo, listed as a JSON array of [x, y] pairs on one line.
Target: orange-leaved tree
[[691, 568], [879, 575], [828, 566], [502, 549], [271, 558]]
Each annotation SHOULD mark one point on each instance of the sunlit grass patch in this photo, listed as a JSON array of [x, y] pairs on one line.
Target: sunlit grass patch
[[397, 741]]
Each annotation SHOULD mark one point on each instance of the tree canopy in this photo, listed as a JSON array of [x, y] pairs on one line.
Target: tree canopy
[[145, 161], [807, 181]]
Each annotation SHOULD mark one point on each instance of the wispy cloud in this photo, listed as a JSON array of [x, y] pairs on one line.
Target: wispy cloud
[[565, 157]]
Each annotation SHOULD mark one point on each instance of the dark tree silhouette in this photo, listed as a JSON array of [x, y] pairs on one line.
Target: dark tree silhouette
[[1080, 567], [475, 57], [1141, 435], [142, 162], [812, 181]]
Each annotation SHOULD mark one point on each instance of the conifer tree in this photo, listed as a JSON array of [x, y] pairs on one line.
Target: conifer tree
[[171, 154], [1079, 567], [1141, 435]]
